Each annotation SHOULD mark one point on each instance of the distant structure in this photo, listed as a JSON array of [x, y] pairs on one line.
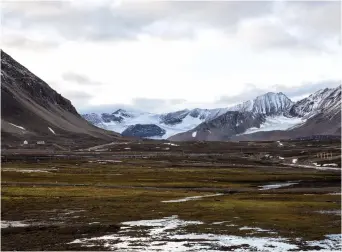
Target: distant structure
[[25, 142], [40, 142], [324, 155]]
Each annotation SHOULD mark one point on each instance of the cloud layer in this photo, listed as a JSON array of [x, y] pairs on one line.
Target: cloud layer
[[168, 54]]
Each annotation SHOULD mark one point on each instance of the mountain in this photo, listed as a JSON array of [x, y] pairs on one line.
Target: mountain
[[271, 115], [222, 127], [326, 100], [172, 123], [269, 104], [31, 110], [320, 114]]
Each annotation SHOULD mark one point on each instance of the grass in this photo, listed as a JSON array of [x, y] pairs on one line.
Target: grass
[[290, 213]]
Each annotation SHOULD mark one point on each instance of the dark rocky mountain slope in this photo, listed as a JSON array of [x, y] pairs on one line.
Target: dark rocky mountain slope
[[31, 110]]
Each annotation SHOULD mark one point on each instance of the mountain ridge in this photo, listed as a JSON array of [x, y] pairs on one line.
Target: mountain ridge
[[31, 110]]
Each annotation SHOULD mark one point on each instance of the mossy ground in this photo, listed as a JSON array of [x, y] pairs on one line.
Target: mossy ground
[[291, 212]]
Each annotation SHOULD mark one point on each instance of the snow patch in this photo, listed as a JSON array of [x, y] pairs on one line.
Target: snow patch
[[276, 123], [172, 144], [168, 234], [294, 161], [27, 170], [280, 143], [331, 164], [335, 212], [194, 134], [254, 229], [191, 198], [275, 186], [20, 127], [281, 158], [6, 224], [52, 130]]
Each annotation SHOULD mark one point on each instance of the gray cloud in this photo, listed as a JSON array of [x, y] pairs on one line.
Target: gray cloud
[[24, 43], [130, 19], [304, 24], [250, 92], [139, 104], [80, 79], [306, 88], [77, 98]]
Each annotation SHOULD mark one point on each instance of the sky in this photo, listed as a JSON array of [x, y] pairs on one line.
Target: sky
[[162, 56]]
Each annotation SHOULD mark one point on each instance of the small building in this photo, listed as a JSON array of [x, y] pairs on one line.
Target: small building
[[25, 142], [40, 142]]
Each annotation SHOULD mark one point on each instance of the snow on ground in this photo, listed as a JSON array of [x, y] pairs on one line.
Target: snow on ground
[[336, 212], [314, 167], [294, 161], [28, 170], [194, 134], [280, 143], [281, 158], [331, 164], [52, 130], [276, 123], [168, 234], [278, 185], [191, 198], [172, 144], [6, 224], [254, 229], [17, 126]]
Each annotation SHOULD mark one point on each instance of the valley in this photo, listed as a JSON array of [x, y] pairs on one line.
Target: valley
[[184, 196]]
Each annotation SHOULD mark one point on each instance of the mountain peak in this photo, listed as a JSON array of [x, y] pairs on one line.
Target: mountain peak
[[269, 103]]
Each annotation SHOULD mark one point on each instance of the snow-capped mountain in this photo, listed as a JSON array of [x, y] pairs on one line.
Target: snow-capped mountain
[[269, 104], [170, 123], [326, 100], [320, 113], [268, 112]]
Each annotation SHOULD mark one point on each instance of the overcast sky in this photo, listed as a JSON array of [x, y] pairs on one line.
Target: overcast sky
[[166, 55]]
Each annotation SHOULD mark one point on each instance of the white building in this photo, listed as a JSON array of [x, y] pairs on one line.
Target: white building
[[40, 142], [25, 142]]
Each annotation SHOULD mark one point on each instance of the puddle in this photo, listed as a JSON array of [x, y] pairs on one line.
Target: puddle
[[278, 185], [168, 234], [192, 198]]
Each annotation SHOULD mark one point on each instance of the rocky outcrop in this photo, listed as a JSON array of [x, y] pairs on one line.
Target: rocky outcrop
[[144, 130]]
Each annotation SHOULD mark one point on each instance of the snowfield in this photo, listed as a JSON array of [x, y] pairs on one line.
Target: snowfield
[[276, 123]]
